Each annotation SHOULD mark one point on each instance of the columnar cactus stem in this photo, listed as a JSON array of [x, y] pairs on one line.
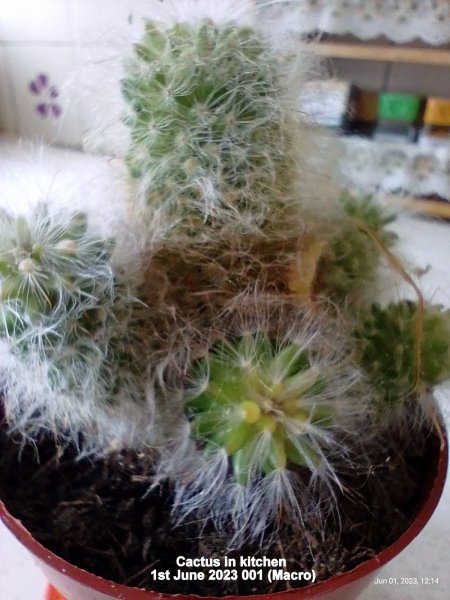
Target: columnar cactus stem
[[210, 137]]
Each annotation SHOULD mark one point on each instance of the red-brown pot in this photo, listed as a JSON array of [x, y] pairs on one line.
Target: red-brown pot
[[75, 584]]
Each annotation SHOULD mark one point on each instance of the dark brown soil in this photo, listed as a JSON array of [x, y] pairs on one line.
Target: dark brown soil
[[101, 516]]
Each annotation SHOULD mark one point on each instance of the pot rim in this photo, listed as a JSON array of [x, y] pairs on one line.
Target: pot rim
[[99, 584]]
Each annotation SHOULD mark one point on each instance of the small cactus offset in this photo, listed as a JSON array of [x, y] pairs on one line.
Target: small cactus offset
[[51, 269], [210, 135], [264, 404], [74, 335], [350, 259], [386, 349], [272, 410]]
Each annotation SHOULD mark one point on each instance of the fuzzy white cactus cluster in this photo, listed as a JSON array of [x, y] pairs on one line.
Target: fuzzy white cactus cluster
[[273, 411], [239, 341], [66, 320]]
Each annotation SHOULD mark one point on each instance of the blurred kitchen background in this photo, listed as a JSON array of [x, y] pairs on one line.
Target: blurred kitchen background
[[388, 94]]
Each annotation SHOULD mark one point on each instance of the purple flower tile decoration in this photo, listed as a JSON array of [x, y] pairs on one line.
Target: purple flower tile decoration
[[48, 94]]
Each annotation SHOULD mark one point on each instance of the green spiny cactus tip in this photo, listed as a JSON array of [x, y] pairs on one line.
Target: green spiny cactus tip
[[207, 123], [350, 260], [386, 343], [74, 333], [262, 403], [50, 268]]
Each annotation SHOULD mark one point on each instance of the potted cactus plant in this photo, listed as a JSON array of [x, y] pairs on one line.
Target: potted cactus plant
[[206, 410]]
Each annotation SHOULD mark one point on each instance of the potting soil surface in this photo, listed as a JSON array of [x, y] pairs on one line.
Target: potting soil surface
[[103, 517]]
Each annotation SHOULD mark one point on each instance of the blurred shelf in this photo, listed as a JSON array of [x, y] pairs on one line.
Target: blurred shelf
[[399, 54]]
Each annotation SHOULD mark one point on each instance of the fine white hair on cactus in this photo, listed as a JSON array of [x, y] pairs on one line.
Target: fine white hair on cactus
[[314, 420], [205, 492], [92, 391], [76, 348], [216, 149], [51, 269]]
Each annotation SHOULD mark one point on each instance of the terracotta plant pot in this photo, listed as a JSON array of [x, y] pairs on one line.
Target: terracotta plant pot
[[75, 584]]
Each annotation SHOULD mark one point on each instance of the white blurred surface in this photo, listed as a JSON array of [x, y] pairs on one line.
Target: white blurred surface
[[425, 243], [20, 579]]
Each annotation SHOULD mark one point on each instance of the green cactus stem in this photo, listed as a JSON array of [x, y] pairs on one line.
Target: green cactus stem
[[208, 127], [386, 343], [350, 260], [263, 404], [75, 334], [51, 270]]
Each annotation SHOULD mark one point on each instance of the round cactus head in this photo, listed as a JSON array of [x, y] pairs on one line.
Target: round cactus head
[[50, 267], [265, 403], [75, 335], [387, 349], [271, 408]]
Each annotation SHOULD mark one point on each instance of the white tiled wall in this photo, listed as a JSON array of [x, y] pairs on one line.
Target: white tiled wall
[[108, 22], [60, 67], [51, 112], [99, 71], [27, 21]]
